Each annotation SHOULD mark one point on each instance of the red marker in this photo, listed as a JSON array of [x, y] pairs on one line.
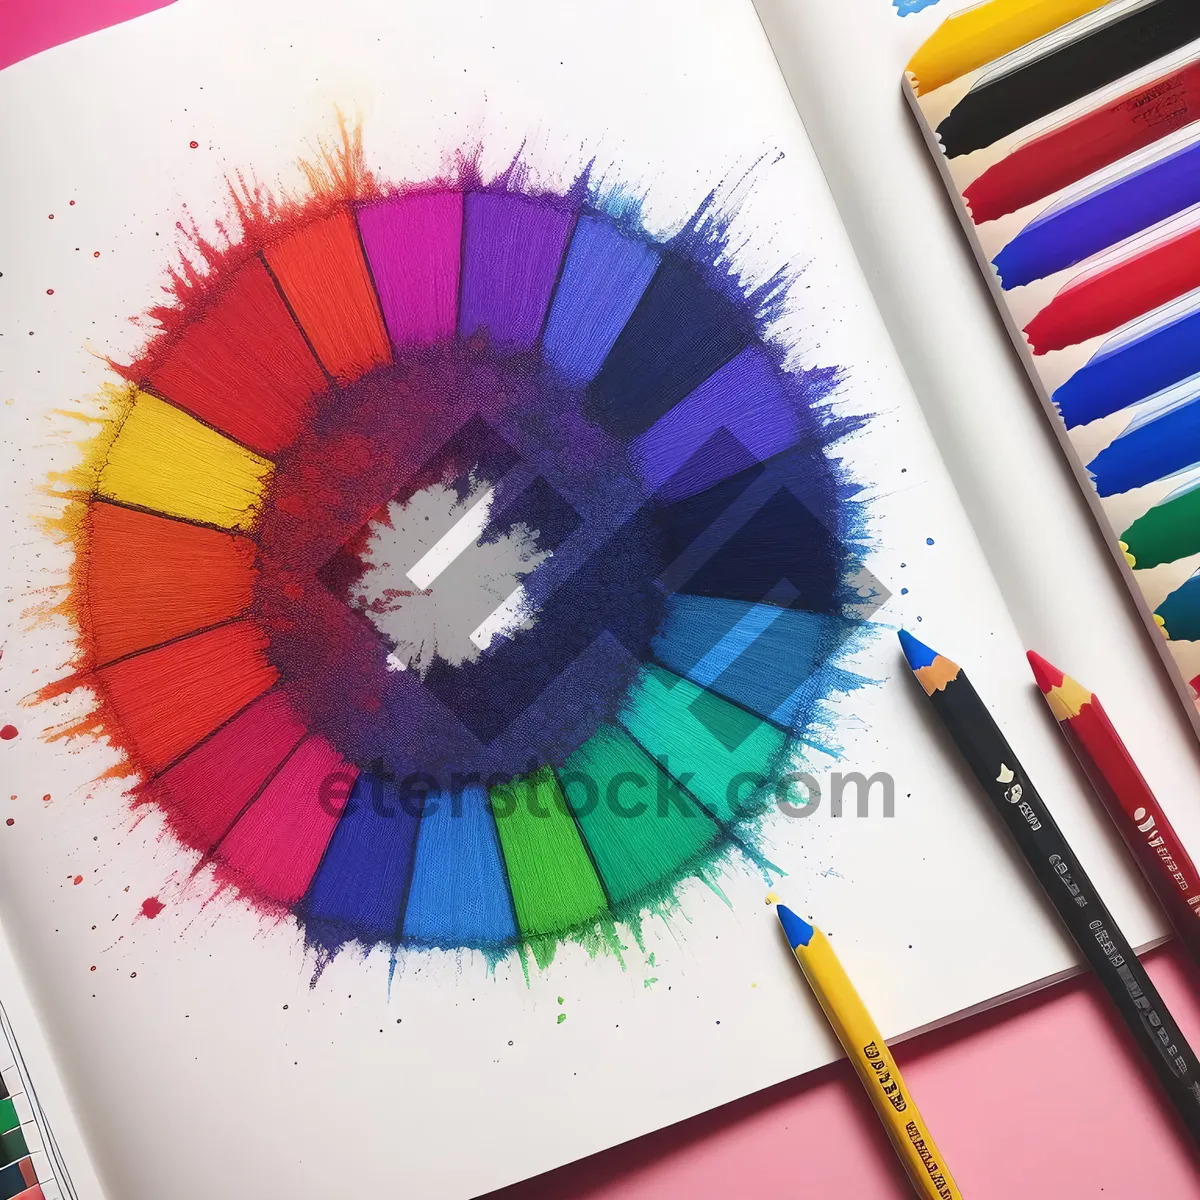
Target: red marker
[[1127, 797], [1097, 139], [1110, 298]]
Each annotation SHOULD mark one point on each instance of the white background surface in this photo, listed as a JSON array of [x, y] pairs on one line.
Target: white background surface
[[198, 1060]]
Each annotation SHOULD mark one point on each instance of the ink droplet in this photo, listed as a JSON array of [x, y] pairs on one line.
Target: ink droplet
[[561, 1018], [929, 541], [77, 880], [49, 291], [52, 216], [95, 253], [10, 821], [71, 203], [904, 591], [92, 968], [151, 907], [193, 145], [8, 732]]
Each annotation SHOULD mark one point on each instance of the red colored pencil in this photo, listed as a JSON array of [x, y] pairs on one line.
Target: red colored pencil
[[1064, 155], [1105, 301], [1127, 796]]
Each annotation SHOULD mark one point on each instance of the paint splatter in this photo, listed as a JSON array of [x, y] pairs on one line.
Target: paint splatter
[[8, 732], [561, 1018], [485, 417], [772, 898], [151, 907], [905, 8], [193, 145], [77, 880], [929, 541], [10, 821]]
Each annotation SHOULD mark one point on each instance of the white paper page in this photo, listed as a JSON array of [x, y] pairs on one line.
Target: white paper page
[[844, 64], [200, 1060]]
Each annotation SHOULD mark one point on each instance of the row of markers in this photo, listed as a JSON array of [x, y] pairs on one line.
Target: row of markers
[[30, 1167], [1070, 129]]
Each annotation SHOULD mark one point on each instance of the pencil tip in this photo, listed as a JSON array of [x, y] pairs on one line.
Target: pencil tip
[[918, 654], [797, 931], [1046, 674]]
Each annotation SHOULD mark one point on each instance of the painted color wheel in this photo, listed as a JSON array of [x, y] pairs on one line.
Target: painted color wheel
[[461, 568]]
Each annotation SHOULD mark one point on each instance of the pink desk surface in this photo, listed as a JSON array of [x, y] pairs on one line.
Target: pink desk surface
[[29, 26], [1041, 1099]]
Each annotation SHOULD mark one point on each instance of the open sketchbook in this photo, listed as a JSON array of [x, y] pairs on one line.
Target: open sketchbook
[[434, 628]]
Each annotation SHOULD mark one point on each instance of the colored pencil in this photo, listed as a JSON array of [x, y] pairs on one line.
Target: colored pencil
[[1127, 798], [1073, 231], [1070, 152], [1101, 302], [969, 40], [993, 109], [1061, 876], [870, 1057]]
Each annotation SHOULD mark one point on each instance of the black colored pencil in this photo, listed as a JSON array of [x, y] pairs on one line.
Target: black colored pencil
[[1062, 877]]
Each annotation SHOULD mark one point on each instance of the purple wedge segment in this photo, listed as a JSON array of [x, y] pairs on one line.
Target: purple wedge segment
[[414, 247], [740, 415], [512, 249]]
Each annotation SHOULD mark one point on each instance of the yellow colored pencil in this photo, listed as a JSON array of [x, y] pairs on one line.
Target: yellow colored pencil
[[970, 39], [866, 1049]]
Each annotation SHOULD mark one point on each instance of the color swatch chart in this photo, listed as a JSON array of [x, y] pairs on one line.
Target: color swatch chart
[[1068, 133], [30, 1166]]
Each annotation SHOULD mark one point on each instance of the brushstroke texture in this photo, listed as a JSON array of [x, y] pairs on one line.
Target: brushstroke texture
[[242, 367], [459, 894], [165, 461], [360, 888], [417, 488], [603, 278], [326, 283], [512, 248], [273, 849], [413, 244], [151, 579]]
